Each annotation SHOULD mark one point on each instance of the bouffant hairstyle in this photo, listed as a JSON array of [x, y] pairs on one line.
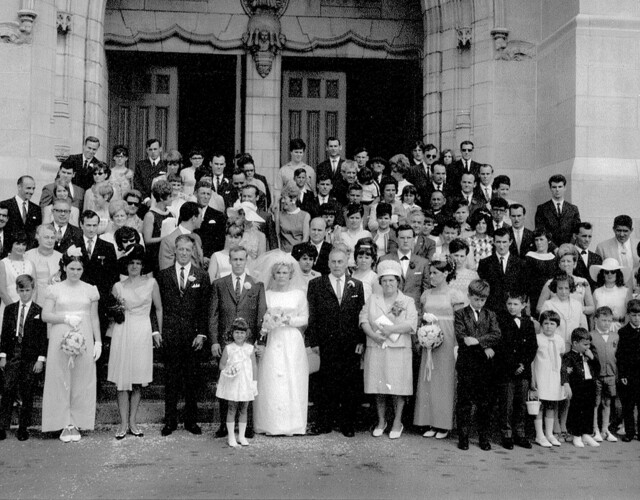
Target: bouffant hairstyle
[[354, 208], [457, 245], [481, 215], [161, 190], [67, 259], [135, 252], [559, 277], [445, 265], [307, 248]]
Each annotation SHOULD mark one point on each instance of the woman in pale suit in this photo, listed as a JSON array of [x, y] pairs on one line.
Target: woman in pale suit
[[389, 319]]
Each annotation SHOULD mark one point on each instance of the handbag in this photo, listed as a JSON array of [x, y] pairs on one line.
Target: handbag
[[313, 358]]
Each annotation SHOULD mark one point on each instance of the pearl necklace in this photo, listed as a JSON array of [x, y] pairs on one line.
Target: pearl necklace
[[24, 266]]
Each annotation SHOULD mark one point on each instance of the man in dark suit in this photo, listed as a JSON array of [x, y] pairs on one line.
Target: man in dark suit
[[466, 193], [421, 169], [188, 222], [237, 295], [317, 233], [504, 272], [66, 234], [478, 336], [628, 360], [212, 225], [484, 189], [415, 269], [82, 164], [5, 239], [423, 246], [148, 169], [24, 215], [233, 191], [332, 166], [65, 175], [23, 351], [185, 293], [335, 302], [583, 233], [438, 182], [522, 240], [557, 216], [464, 165], [219, 181], [439, 211]]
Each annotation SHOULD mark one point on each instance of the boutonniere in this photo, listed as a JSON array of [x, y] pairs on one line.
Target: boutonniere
[[397, 308], [101, 259], [162, 172], [350, 283], [569, 370], [412, 265], [247, 285], [191, 278]]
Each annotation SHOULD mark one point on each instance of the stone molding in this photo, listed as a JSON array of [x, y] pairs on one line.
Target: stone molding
[[20, 32], [63, 22], [511, 50], [175, 30], [277, 6]]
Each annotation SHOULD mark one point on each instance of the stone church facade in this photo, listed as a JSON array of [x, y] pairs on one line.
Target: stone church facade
[[540, 86]]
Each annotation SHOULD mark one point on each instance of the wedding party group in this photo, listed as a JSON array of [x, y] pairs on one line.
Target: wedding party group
[[410, 285]]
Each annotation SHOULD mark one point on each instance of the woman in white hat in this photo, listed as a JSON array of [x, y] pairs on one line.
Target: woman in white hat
[[611, 277], [389, 318], [244, 214]]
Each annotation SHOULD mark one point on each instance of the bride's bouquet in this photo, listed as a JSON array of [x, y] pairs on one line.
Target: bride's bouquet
[[430, 336], [73, 343], [273, 318]]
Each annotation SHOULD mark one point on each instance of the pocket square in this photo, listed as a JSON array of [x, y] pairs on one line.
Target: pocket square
[[353, 296], [197, 285], [37, 316], [417, 272], [212, 221]]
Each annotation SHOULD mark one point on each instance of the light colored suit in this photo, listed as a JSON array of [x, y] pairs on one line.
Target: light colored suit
[[167, 252], [609, 249]]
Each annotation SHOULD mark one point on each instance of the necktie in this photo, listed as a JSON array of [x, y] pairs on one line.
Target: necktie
[[502, 264], [339, 290], [238, 288], [24, 212], [21, 323], [217, 183], [90, 247], [518, 240], [559, 209], [182, 279], [59, 234], [487, 194], [475, 315], [334, 165], [86, 164]]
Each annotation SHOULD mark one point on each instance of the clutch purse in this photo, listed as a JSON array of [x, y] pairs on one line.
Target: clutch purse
[[313, 358]]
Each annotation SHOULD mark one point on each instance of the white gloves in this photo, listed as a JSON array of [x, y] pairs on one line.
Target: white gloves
[[254, 387], [72, 320], [97, 350]]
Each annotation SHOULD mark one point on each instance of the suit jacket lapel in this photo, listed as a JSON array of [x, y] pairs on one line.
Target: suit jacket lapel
[[232, 291], [245, 290], [330, 290]]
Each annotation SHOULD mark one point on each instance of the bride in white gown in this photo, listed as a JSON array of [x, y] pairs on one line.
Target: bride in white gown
[[283, 372]]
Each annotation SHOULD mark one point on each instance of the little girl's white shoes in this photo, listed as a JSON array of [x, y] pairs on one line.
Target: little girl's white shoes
[[544, 442], [553, 440], [589, 441], [597, 437], [577, 442], [609, 437]]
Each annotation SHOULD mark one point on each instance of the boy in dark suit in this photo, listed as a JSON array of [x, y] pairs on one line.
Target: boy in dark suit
[[515, 355], [478, 334], [628, 359], [307, 200], [580, 367], [22, 355]]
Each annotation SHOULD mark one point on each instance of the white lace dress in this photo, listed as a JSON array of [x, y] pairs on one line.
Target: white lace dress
[[283, 372]]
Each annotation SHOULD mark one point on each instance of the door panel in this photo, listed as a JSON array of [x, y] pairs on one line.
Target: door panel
[[313, 108], [143, 105]]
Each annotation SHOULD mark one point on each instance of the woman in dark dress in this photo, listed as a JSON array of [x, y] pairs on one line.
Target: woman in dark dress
[[152, 224], [541, 265]]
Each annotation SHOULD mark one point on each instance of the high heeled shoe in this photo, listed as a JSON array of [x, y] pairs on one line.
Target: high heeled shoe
[[120, 435], [377, 432], [396, 434], [430, 433], [442, 434], [138, 434]]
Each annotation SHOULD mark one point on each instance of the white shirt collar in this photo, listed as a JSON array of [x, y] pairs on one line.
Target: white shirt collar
[[20, 201], [400, 255], [187, 268], [183, 229]]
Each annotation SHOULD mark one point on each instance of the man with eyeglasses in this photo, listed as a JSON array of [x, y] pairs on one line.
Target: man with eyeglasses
[[133, 199], [66, 234], [421, 171], [463, 165]]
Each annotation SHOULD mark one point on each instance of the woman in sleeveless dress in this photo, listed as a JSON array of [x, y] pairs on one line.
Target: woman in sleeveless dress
[[131, 355], [12, 266], [152, 224], [69, 399], [283, 372], [435, 393]]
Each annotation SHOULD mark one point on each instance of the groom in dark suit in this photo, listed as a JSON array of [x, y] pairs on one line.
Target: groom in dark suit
[[237, 295], [335, 302], [184, 289]]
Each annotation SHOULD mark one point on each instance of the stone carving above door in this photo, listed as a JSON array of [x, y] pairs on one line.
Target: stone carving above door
[[264, 37]]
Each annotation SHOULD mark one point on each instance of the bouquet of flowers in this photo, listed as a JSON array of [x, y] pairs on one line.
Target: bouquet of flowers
[[115, 308], [273, 318], [430, 337], [231, 370], [73, 344]]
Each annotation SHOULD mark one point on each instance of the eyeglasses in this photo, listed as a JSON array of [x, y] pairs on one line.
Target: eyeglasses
[[431, 156], [248, 170], [133, 203], [173, 163], [609, 272], [467, 150], [57, 210]]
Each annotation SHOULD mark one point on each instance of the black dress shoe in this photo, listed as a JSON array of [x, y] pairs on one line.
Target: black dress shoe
[[222, 431], [193, 429], [316, 430], [249, 433], [348, 432], [463, 445], [627, 438], [523, 443], [3, 434], [485, 445], [507, 443], [167, 430], [22, 434]]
